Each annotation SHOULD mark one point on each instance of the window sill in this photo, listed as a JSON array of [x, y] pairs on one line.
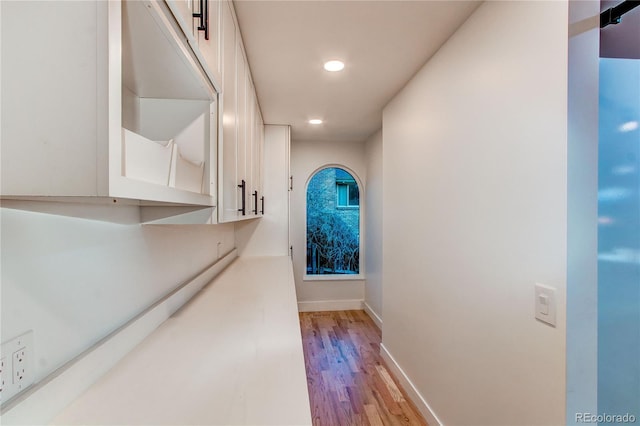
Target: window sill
[[345, 277]]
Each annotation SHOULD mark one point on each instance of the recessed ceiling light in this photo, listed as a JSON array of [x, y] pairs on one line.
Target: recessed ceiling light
[[334, 66], [315, 121]]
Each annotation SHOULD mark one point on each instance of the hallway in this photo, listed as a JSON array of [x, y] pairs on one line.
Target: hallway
[[348, 382]]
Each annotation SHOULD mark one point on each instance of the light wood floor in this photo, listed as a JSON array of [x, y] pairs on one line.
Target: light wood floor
[[347, 379]]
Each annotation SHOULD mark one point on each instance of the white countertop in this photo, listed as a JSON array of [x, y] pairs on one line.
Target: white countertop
[[233, 355]]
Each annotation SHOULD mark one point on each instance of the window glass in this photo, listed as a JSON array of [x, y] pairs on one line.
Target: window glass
[[354, 195], [343, 197], [333, 223], [619, 237]]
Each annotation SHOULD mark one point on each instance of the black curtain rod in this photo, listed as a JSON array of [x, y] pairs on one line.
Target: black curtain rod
[[613, 15]]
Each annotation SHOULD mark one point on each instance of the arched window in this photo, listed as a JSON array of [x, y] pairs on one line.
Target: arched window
[[333, 223]]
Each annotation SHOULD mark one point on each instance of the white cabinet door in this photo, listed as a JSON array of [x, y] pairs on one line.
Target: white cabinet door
[[243, 195], [205, 33], [248, 140], [227, 146], [49, 127], [253, 152], [211, 47], [258, 155]]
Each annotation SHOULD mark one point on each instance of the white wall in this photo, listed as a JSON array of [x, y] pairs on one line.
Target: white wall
[[475, 213], [269, 235], [306, 159], [73, 281], [373, 227]]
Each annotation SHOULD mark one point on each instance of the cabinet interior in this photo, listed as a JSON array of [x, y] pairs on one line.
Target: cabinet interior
[[165, 95]]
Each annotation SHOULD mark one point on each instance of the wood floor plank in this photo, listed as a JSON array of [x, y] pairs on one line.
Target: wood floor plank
[[348, 382], [372, 415], [391, 386]]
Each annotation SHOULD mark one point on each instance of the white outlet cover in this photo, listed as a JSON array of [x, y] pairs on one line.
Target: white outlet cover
[[545, 304], [3, 374], [8, 350]]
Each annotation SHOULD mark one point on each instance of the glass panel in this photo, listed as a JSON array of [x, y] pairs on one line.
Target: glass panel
[[619, 238], [354, 195], [333, 234], [342, 194]]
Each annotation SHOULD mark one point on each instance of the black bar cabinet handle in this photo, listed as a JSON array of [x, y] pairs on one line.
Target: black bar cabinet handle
[[244, 196], [262, 201], [203, 15], [255, 196]]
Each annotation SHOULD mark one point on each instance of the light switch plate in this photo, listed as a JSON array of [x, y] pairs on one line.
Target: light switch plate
[[545, 304]]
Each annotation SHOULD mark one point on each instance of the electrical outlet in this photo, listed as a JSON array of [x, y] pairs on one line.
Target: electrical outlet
[[15, 366], [2, 374], [19, 359]]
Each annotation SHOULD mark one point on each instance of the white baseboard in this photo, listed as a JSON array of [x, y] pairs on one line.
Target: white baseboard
[[409, 388], [40, 404], [373, 314], [330, 305]]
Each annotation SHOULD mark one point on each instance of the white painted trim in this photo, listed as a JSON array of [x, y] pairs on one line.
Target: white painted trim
[[373, 314], [330, 305], [45, 400], [410, 389], [341, 277]]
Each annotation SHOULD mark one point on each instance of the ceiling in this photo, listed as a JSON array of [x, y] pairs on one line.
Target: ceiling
[[621, 40], [383, 44]]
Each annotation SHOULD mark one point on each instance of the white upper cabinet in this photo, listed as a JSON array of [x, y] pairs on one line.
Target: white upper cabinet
[[238, 157], [255, 134], [227, 147], [241, 66], [129, 101], [105, 99]]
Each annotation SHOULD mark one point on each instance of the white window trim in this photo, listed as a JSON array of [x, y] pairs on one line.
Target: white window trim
[[346, 206], [332, 277]]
